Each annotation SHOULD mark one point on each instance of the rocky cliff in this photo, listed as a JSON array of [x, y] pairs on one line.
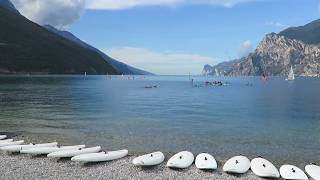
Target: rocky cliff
[[275, 54]]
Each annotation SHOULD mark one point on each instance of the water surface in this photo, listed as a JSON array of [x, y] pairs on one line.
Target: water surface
[[277, 119]]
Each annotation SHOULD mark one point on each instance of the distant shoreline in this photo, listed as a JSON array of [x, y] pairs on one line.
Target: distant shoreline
[[204, 76]]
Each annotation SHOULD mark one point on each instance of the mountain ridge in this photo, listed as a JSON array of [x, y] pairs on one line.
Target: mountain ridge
[[309, 33], [26, 47], [276, 53], [9, 6], [121, 67]]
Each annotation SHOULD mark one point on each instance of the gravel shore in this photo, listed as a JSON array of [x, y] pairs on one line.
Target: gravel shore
[[22, 166], [18, 166]]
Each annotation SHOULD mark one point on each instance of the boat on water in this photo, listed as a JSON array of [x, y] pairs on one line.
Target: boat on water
[[151, 86], [291, 75]]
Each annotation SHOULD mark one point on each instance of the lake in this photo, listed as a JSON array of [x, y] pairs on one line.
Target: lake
[[276, 119]]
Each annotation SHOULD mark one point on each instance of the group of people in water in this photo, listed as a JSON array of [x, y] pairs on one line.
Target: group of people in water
[[208, 83], [213, 83]]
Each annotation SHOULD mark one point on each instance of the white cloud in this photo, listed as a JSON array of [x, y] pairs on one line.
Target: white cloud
[[58, 13], [245, 48], [275, 24], [63, 13], [160, 62], [125, 4]]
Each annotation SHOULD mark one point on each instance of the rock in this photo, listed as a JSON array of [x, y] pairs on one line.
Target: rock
[[274, 55]]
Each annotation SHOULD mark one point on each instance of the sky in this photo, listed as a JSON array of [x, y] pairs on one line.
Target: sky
[[171, 36]]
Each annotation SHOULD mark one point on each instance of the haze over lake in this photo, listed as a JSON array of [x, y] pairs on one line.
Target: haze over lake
[[276, 119]]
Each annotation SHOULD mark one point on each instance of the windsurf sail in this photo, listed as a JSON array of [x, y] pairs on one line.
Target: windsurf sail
[[291, 75]]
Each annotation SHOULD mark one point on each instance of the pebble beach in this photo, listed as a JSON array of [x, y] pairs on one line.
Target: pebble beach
[[23, 166], [17, 166]]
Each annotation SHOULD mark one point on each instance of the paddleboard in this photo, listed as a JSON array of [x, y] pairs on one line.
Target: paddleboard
[[205, 161], [18, 148], [313, 171], [6, 140], [181, 160], [100, 157], [3, 136], [292, 172], [151, 159], [47, 150], [237, 165], [74, 152], [264, 168], [2, 144]]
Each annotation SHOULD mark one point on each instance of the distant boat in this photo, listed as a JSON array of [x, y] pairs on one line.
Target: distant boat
[[85, 73], [291, 75]]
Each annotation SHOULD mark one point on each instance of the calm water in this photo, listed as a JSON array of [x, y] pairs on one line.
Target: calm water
[[276, 119]]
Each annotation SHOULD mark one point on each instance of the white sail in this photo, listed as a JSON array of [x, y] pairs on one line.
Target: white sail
[[217, 72], [291, 75]]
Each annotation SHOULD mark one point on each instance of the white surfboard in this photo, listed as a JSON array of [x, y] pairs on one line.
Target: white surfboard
[[237, 165], [100, 157], [18, 148], [74, 152], [11, 143], [264, 168], [313, 171], [151, 159], [6, 140], [47, 150], [181, 160], [292, 172], [206, 161], [3, 136]]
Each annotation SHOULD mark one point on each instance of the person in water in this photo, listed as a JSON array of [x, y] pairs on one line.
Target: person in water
[[264, 76]]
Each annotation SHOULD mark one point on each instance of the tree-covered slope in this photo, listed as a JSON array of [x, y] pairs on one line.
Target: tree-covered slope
[[119, 66], [26, 47]]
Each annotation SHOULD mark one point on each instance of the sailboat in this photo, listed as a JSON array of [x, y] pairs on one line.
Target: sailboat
[[291, 75]]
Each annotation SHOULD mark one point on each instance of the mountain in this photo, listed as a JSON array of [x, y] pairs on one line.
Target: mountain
[[276, 53], [9, 6], [219, 69], [26, 47], [309, 33], [121, 67]]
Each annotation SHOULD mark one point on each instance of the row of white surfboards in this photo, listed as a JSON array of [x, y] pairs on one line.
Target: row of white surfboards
[[236, 165], [76, 152]]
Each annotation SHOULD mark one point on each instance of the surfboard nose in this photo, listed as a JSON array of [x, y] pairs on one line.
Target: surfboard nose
[[74, 159], [170, 164], [50, 155], [137, 162]]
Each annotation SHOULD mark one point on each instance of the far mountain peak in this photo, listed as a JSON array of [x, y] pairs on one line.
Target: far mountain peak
[[121, 67], [8, 5]]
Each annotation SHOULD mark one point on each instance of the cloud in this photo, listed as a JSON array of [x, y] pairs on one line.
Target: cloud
[[58, 13], [126, 4], [245, 48], [63, 13], [160, 62], [275, 24]]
